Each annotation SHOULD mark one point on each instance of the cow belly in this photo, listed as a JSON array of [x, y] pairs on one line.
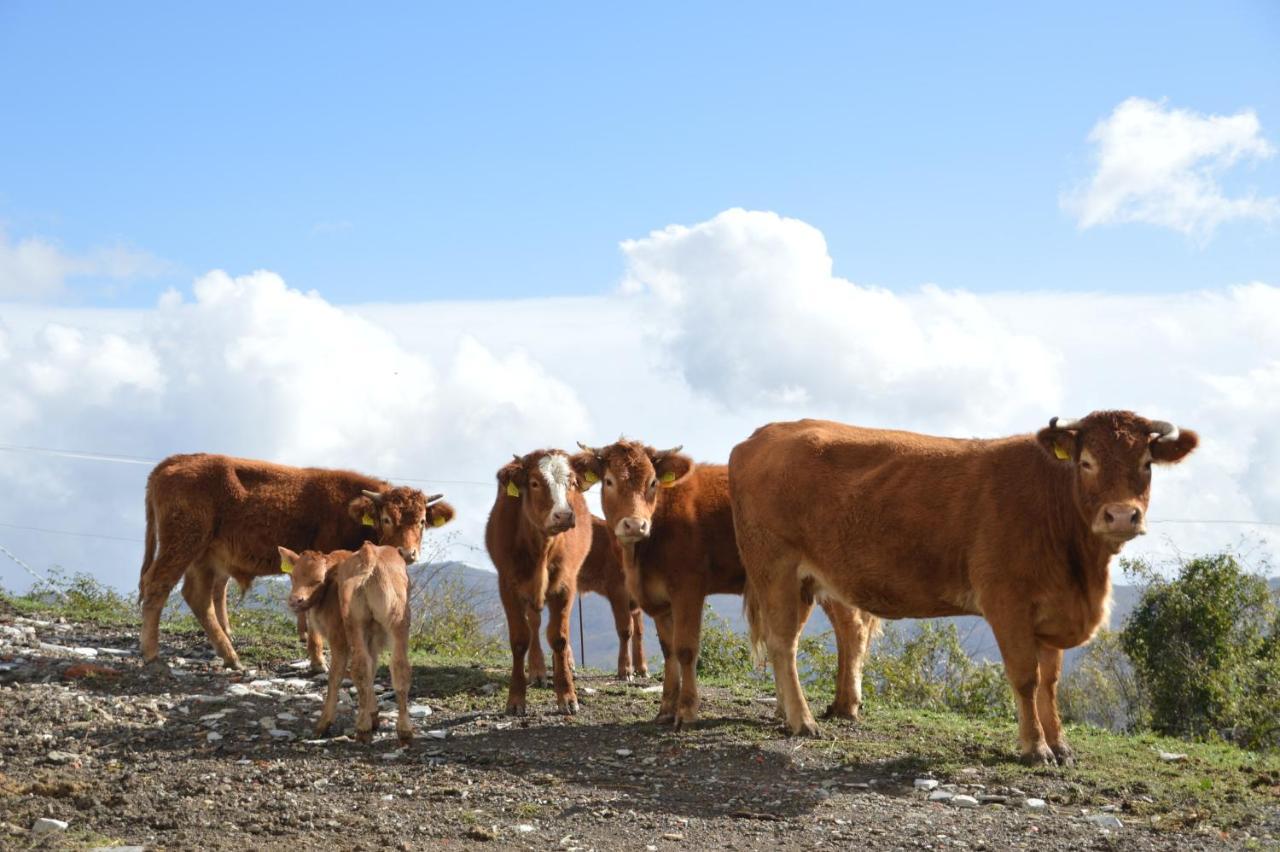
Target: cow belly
[[898, 596]]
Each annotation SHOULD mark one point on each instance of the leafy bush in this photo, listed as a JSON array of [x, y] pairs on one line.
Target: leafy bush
[[1206, 649], [931, 670], [451, 616], [723, 652], [1101, 689], [81, 597]]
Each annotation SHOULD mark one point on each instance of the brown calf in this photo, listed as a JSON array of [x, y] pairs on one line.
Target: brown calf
[[538, 534], [210, 518], [1018, 530], [602, 573], [673, 523], [359, 602]]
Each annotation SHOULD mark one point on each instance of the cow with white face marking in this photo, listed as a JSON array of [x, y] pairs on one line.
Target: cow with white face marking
[[538, 534]]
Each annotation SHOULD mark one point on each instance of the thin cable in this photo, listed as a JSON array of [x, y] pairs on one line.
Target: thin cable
[[71, 533], [24, 566]]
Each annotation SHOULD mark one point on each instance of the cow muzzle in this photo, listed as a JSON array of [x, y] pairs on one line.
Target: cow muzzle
[[409, 554], [297, 603], [560, 520], [633, 529], [1120, 521]]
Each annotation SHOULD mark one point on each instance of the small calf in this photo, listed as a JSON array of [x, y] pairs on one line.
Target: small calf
[[358, 601]]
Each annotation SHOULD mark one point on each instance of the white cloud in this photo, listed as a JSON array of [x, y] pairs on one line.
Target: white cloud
[[35, 269], [1161, 166]]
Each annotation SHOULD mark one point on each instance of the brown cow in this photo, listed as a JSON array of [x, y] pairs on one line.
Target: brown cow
[[210, 517], [1018, 530], [602, 573], [360, 603], [538, 534], [673, 523]]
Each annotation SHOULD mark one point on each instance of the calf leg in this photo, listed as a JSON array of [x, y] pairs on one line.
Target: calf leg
[[341, 656], [622, 623], [376, 639], [537, 662], [220, 602], [362, 664], [518, 631], [315, 646], [670, 668], [686, 612], [638, 663], [558, 638], [1011, 624], [853, 629], [181, 544], [400, 678], [782, 609], [197, 590], [1050, 660]]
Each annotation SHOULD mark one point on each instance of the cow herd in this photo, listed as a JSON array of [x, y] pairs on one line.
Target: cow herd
[[867, 523]]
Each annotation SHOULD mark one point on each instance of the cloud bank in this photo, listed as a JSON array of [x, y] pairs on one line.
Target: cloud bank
[[35, 269], [1161, 166]]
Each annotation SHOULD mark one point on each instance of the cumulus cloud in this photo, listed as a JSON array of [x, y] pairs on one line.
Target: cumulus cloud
[[1161, 166], [753, 316], [35, 269]]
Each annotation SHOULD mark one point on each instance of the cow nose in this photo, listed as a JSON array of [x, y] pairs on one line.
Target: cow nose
[[561, 519], [410, 555], [1122, 518], [635, 527]]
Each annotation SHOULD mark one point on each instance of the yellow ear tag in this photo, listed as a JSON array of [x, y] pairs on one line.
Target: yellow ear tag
[[286, 567], [437, 521], [1061, 453], [590, 477], [367, 520], [513, 490], [668, 479]]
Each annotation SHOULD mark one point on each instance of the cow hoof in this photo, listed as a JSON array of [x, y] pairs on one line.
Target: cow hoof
[[642, 674], [365, 737], [624, 676], [1064, 754], [664, 717], [1040, 756], [516, 709], [538, 681], [835, 712], [318, 669], [322, 730], [807, 729], [683, 724], [233, 665], [155, 666], [569, 707], [406, 737]]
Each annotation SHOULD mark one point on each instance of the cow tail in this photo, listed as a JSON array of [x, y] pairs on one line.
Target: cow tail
[[151, 539], [755, 626]]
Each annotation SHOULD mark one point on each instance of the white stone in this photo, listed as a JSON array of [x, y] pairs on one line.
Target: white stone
[[963, 802], [298, 683], [1035, 804], [114, 652], [1172, 757], [238, 689], [213, 737], [45, 825], [286, 717], [524, 828], [438, 734], [926, 784], [280, 734], [1108, 821], [419, 711], [651, 689], [623, 752], [940, 796], [300, 664]]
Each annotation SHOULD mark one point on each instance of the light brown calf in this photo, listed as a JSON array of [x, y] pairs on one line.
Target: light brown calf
[[359, 602], [538, 534], [602, 573], [1019, 530]]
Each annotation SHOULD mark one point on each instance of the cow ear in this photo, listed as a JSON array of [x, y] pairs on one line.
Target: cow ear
[[672, 468], [1058, 443], [1171, 452], [511, 478], [588, 468], [288, 559], [439, 514], [363, 510]]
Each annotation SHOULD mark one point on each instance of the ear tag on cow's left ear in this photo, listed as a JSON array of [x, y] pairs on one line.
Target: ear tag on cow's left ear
[[367, 520], [1061, 452], [437, 521], [668, 479], [513, 490], [286, 567], [590, 477]]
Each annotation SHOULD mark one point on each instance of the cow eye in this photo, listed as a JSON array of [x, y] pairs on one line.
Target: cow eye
[[1147, 467], [608, 481], [1086, 465], [653, 483], [534, 484]]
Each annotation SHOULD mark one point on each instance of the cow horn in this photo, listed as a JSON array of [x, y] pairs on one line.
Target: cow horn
[[671, 452], [593, 450], [1164, 431], [372, 495], [1068, 424], [433, 498]]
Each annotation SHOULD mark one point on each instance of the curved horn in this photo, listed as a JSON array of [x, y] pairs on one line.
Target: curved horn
[[516, 456], [1163, 430], [433, 498], [671, 452], [372, 495], [1060, 423], [595, 451]]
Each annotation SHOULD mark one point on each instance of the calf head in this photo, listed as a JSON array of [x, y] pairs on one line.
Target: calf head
[[308, 572], [632, 476], [1112, 453], [540, 481], [399, 516]]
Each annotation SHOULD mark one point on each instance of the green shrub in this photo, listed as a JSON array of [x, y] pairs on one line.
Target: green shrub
[[80, 597], [451, 616], [1101, 688], [1206, 650], [930, 670], [723, 652]]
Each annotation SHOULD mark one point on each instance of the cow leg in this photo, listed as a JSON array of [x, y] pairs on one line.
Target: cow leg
[[638, 663], [518, 632], [339, 652], [181, 544], [558, 638], [376, 640], [537, 662], [1047, 704], [853, 629], [197, 590], [400, 678], [220, 602], [362, 673], [783, 618], [1019, 649], [670, 668], [687, 616], [622, 623], [315, 645]]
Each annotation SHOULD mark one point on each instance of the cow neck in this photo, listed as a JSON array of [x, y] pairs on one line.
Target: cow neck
[[535, 541]]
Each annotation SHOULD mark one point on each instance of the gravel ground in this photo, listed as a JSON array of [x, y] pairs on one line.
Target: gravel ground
[[198, 758]]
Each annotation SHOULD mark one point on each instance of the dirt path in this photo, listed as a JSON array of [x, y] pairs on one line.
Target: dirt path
[[201, 759]]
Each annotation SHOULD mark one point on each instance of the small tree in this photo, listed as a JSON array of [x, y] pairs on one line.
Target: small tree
[[1101, 689], [1204, 646]]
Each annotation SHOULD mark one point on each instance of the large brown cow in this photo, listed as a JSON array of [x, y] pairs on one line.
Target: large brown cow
[[673, 522], [1018, 530], [211, 517], [538, 534]]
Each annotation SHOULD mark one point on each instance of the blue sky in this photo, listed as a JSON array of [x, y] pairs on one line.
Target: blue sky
[[504, 151]]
